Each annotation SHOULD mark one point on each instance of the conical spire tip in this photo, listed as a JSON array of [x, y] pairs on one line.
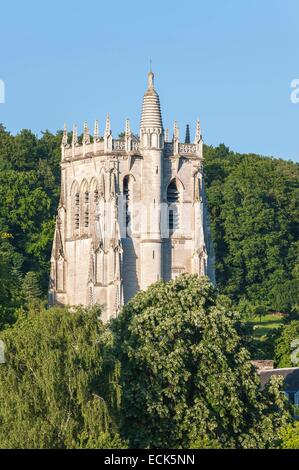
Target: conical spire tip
[[150, 80]]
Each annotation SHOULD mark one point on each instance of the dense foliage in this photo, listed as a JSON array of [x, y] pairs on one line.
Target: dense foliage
[[286, 345], [186, 374], [254, 207], [289, 436], [171, 371], [55, 382], [29, 192]]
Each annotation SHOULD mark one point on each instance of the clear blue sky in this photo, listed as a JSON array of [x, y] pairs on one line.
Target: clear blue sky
[[229, 61]]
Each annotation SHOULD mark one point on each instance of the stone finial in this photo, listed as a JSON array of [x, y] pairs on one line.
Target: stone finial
[[187, 138], [65, 136], [176, 138], [176, 135], [128, 135], [108, 126], [96, 133], [198, 132], [86, 136], [127, 128], [64, 142], [108, 136], [150, 80], [75, 135], [167, 135]]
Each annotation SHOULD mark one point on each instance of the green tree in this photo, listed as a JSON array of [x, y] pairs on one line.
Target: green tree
[[254, 208], [186, 375], [31, 288], [29, 193], [53, 384], [10, 281], [289, 436], [285, 346]]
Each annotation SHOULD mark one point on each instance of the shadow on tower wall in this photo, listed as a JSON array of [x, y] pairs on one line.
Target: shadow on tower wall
[[130, 275]]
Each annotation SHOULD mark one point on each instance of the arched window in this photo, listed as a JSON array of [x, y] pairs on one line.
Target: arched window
[[154, 140], [173, 194], [86, 209], [173, 199], [77, 211], [86, 217], [75, 208]]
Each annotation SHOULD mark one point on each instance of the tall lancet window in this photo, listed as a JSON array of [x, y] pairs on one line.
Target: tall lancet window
[[77, 211], [173, 199], [86, 209]]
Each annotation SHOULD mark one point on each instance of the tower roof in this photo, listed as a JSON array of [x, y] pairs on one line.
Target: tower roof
[[151, 110]]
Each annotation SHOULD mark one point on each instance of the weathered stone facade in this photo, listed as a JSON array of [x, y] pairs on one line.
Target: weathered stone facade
[[132, 211]]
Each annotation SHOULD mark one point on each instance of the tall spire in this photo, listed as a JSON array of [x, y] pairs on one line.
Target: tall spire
[[187, 138], [151, 117]]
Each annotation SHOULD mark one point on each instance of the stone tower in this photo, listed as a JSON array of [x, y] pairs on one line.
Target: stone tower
[[132, 211]]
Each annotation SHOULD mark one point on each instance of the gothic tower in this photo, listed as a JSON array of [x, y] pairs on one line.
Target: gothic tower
[[132, 211], [152, 145]]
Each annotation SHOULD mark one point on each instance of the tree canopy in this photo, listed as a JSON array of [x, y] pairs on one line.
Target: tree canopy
[[254, 210], [286, 345], [55, 388], [186, 375]]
